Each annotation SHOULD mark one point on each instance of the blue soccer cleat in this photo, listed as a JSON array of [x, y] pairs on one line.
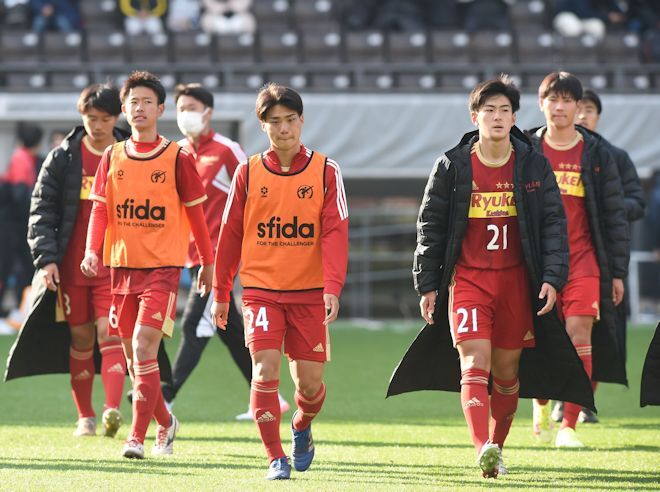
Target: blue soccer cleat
[[302, 452], [279, 469]]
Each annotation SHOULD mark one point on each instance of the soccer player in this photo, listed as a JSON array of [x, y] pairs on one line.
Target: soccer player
[[598, 239], [216, 158], [588, 115], [286, 221], [491, 255], [147, 198], [59, 215]]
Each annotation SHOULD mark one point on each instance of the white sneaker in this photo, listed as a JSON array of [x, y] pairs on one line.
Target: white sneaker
[[165, 437], [112, 421], [501, 467], [86, 427], [542, 425], [284, 407], [566, 438], [488, 459], [133, 449]]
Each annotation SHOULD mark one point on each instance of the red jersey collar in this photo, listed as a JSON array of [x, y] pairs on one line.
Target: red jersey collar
[[299, 160]]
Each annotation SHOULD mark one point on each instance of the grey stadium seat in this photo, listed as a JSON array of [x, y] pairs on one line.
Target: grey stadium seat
[[408, 47], [365, 46], [279, 46], [619, 47], [145, 48], [492, 47], [583, 49], [19, 46], [106, 46], [192, 47], [536, 46], [322, 45], [272, 14], [63, 47], [234, 48], [450, 46], [314, 14]]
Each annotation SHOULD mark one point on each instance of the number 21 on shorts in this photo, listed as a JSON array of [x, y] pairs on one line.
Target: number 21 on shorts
[[251, 323], [466, 320]]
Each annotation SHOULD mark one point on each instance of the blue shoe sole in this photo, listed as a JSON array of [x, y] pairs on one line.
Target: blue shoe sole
[[303, 463]]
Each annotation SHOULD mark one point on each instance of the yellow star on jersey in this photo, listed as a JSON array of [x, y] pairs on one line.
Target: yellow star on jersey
[[499, 186]]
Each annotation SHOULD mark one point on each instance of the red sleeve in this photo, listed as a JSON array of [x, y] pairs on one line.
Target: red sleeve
[[188, 183], [334, 226], [98, 222], [21, 169], [200, 233], [101, 178], [230, 240]]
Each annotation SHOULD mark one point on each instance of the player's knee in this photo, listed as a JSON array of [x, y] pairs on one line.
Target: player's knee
[[265, 371], [308, 387], [475, 361], [82, 337]]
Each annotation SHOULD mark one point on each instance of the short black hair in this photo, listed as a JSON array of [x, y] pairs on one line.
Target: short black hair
[[502, 85], [591, 96], [143, 79], [273, 94], [196, 91], [29, 134], [563, 83], [103, 97]]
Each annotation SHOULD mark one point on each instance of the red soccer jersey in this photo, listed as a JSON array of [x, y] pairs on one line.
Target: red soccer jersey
[[216, 158], [190, 190], [334, 234], [22, 168], [75, 250], [492, 237], [566, 163]]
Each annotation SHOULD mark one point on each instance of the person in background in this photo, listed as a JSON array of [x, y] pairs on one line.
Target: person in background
[[143, 16], [59, 15]]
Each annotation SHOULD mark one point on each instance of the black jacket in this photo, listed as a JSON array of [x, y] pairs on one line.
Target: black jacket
[[611, 238], [550, 370], [633, 195], [42, 345], [650, 387]]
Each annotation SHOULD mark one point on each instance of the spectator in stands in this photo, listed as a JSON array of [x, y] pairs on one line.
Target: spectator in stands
[[644, 20], [480, 15], [59, 15], [183, 15], [577, 17], [143, 16], [228, 17], [15, 190]]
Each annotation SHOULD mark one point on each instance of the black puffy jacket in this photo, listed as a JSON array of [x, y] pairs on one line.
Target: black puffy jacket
[[603, 198], [633, 195], [55, 199], [432, 362]]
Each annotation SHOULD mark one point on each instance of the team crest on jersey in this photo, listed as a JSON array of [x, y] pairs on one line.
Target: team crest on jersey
[[305, 191], [264, 192]]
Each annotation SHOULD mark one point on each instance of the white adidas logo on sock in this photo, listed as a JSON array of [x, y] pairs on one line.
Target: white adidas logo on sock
[[473, 402], [266, 417], [82, 375], [117, 368], [138, 396]]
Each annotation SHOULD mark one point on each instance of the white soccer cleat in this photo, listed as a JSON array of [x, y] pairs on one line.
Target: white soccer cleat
[[501, 467], [567, 438], [489, 459], [133, 449], [542, 425], [112, 421], [165, 437], [86, 427]]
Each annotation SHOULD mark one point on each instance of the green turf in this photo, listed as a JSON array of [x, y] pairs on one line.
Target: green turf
[[364, 442]]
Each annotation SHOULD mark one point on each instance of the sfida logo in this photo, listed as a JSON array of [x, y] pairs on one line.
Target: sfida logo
[[276, 229], [129, 210]]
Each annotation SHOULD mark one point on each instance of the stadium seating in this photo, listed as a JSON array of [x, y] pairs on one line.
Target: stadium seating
[[62, 48], [20, 46], [192, 47], [322, 45]]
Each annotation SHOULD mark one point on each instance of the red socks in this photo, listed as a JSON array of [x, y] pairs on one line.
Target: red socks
[[503, 402], [266, 412], [571, 410], [308, 408], [113, 372], [146, 392], [474, 399], [81, 366]]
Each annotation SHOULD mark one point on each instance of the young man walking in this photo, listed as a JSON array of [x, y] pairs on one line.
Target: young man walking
[[491, 255], [147, 198], [59, 216], [216, 158], [598, 239], [288, 227]]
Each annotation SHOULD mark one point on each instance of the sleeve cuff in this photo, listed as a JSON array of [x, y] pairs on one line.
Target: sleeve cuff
[[333, 288]]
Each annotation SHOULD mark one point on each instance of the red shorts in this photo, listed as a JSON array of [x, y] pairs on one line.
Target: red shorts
[[269, 324], [154, 308], [580, 297], [491, 304], [82, 304]]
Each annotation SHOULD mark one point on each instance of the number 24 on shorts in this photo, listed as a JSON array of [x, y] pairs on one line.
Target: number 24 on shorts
[[261, 320]]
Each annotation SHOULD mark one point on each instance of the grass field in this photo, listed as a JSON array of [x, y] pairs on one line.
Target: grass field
[[417, 441]]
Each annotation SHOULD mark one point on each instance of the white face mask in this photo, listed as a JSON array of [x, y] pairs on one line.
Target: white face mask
[[191, 123]]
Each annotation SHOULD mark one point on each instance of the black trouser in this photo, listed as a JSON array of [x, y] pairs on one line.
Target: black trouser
[[192, 346]]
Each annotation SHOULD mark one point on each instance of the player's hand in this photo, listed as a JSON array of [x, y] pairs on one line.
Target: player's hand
[[204, 280], [331, 308], [549, 293], [219, 313], [427, 306], [50, 276], [617, 291], [90, 264]]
